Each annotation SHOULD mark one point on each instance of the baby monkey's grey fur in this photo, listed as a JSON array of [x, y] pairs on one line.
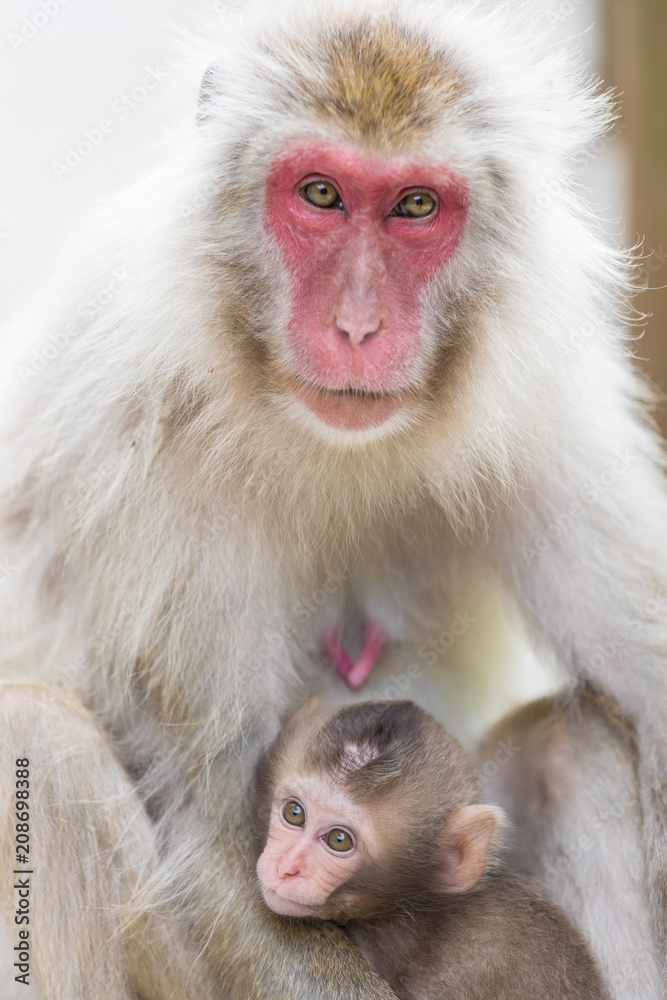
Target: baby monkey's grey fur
[[502, 938]]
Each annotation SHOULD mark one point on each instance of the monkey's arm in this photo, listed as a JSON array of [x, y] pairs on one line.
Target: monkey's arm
[[281, 959], [586, 830], [589, 566], [101, 920]]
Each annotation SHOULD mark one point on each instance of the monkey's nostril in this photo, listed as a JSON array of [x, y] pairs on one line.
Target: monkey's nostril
[[288, 869], [357, 332]]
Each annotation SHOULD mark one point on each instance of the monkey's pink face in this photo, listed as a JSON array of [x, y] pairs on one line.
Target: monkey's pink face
[[361, 238], [311, 848]]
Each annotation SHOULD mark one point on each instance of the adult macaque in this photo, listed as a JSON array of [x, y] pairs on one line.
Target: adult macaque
[[374, 821], [344, 347]]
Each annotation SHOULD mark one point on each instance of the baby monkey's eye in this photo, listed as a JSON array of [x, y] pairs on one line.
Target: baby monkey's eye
[[415, 205], [294, 813], [339, 840], [321, 193]]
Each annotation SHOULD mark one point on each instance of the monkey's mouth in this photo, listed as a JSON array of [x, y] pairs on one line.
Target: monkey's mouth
[[286, 907], [350, 409]]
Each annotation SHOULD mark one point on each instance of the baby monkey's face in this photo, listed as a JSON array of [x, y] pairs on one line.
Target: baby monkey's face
[[313, 847]]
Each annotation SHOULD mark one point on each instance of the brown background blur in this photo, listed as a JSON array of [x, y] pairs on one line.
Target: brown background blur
[[635, 62]]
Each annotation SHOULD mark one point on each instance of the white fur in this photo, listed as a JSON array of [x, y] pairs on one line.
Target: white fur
[[165, 597]]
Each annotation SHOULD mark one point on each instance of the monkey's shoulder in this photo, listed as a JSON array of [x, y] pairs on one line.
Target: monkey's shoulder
[[504, 940]]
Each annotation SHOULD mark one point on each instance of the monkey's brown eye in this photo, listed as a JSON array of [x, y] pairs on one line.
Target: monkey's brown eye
[[294, 813], [415, 205], [339, 840], [322, 193]]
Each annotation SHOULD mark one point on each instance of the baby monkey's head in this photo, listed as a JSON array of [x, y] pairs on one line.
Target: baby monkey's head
[[373, 807]]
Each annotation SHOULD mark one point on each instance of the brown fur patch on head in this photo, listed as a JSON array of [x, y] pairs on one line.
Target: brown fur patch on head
[[384, 85]]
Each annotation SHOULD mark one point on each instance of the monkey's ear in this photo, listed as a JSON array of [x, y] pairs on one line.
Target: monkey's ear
[[209, 89], [466, 844]]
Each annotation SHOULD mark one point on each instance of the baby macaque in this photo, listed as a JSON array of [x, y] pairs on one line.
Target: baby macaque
[[375, 823]]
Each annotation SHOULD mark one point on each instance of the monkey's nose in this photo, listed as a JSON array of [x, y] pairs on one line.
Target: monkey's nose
[[357, 330], [288, 865]]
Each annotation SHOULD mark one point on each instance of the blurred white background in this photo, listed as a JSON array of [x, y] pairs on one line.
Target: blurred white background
[[82, 64]]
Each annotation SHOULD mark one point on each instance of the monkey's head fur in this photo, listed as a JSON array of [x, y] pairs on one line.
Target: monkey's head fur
[[391, 83]]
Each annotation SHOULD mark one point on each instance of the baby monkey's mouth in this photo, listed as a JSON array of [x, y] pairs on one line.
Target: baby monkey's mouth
[[285, 905]]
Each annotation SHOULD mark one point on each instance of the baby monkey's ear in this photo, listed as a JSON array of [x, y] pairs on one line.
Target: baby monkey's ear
[[465, 849]]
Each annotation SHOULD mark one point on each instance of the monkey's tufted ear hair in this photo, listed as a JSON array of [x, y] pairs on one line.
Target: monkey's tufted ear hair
[[467, 838], [209, 89]]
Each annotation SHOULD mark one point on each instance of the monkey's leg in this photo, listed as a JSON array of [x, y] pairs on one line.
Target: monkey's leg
[[99, 927], [566, 776]]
